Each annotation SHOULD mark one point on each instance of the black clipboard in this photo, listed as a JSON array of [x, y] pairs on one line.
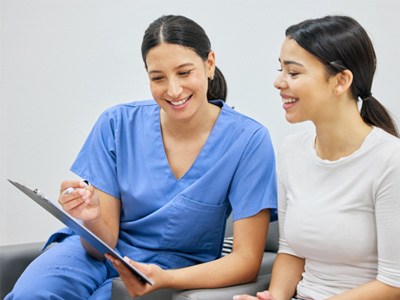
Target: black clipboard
[[78, 228]]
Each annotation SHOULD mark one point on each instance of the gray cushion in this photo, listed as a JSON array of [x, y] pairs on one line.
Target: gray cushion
[[225, 293], [13, 261], [119, 291]]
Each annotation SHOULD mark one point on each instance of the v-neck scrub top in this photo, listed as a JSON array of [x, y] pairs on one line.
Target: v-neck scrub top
[[178, 222]]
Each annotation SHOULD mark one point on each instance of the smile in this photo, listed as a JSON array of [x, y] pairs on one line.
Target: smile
[[180, 102], [289, 100]]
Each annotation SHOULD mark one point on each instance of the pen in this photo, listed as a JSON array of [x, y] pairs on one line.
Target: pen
[[71, 189]]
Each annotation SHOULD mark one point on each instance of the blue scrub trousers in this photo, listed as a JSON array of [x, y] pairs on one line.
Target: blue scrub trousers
[[65, 271]]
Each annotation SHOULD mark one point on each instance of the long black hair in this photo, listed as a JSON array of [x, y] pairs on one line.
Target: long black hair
[[341, 43], [183, 31]]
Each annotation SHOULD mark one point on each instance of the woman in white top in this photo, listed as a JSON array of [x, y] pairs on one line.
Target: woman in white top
[[339, 187]]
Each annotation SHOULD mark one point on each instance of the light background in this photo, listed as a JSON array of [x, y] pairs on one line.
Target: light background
[[64, 62]]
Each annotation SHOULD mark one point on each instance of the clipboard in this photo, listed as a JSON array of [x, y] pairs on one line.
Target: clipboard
[[78, 228]]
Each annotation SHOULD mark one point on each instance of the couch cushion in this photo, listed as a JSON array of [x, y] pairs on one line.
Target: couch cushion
[[227, 245], [226, 292], [119, 291], [14, 259]]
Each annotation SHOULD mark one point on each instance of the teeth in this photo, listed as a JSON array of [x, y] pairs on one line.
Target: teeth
[[180, 102], [289, 100]]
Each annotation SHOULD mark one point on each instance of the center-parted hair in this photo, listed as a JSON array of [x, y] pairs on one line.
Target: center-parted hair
[[341, 43], [185, 32]]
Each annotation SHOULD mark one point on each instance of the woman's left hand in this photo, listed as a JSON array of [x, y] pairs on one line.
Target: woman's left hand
[[265, 295], [133, 284]]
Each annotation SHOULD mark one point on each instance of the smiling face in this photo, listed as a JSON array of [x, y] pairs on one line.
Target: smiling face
[[306, 90], [179, 79]]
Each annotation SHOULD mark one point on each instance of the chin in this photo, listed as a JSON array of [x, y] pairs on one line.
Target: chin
[[293, 120]]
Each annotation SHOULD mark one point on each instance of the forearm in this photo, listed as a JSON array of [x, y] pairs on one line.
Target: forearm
[[232, 269], [101, 230], [106, 225], [240, 266], [286, 274], [373, 290]]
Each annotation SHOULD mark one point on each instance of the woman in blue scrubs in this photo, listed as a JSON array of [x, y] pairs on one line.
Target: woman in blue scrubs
[[165, 174]]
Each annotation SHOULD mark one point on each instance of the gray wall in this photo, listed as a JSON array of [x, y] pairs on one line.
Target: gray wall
[[64, 62]]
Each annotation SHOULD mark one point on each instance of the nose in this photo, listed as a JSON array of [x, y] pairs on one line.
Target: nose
[[280, 83], [174, 88]]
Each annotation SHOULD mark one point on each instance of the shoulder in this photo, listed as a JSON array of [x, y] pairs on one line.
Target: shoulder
[[126, 111], [384, 137], [130, 107], [384, 145], [296, 140], [295, 146]]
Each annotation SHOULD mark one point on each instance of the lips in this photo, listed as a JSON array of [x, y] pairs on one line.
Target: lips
[[288, 101], [179, 102]]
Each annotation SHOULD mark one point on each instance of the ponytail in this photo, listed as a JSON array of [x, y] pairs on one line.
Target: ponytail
[[217, 88], [374, 113]]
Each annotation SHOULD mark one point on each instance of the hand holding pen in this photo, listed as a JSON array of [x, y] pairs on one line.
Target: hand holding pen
[[79, 199]]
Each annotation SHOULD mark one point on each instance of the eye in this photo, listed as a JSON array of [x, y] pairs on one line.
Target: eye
[[293, 74], [185, 73], [156, 78]]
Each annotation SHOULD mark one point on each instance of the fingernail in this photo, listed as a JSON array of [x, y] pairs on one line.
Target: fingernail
[[83, 183], [69, 190]]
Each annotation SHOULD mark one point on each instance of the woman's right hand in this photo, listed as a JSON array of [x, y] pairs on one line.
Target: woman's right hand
[[82, 202], [265, 295]]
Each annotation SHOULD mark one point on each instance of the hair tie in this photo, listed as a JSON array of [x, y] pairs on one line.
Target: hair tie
[[366, 97]]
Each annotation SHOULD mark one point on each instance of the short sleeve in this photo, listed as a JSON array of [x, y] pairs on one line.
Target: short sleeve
[[387, 214], [253, 186], [283, 199], [282, 204], [96, 161]]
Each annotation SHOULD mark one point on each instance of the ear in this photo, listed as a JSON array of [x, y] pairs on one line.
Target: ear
[[343, 81], [210, 64]]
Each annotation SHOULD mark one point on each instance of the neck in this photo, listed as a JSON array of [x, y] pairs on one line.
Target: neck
[[203, 121], [340, 137]]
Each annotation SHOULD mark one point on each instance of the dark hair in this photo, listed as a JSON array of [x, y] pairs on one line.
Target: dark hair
[[341, 43], [187, 33]]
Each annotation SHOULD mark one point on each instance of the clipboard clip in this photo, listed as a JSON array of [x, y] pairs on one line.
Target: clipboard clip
[[38, 192]]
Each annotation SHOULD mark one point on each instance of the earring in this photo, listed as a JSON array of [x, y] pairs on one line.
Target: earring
[[211, 77]]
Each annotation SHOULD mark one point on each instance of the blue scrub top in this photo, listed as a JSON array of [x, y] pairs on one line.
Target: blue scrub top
[[178, 222]]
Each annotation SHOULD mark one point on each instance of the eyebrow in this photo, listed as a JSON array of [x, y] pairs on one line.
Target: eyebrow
[[291, 62], [178, 67]]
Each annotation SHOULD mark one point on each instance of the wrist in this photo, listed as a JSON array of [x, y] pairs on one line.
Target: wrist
[[171, 279], [279, 295], [96, 222]]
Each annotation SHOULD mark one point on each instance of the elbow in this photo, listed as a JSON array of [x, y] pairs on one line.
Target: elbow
[[250, 277], [250, 273], [254, 273], [251, 267]]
